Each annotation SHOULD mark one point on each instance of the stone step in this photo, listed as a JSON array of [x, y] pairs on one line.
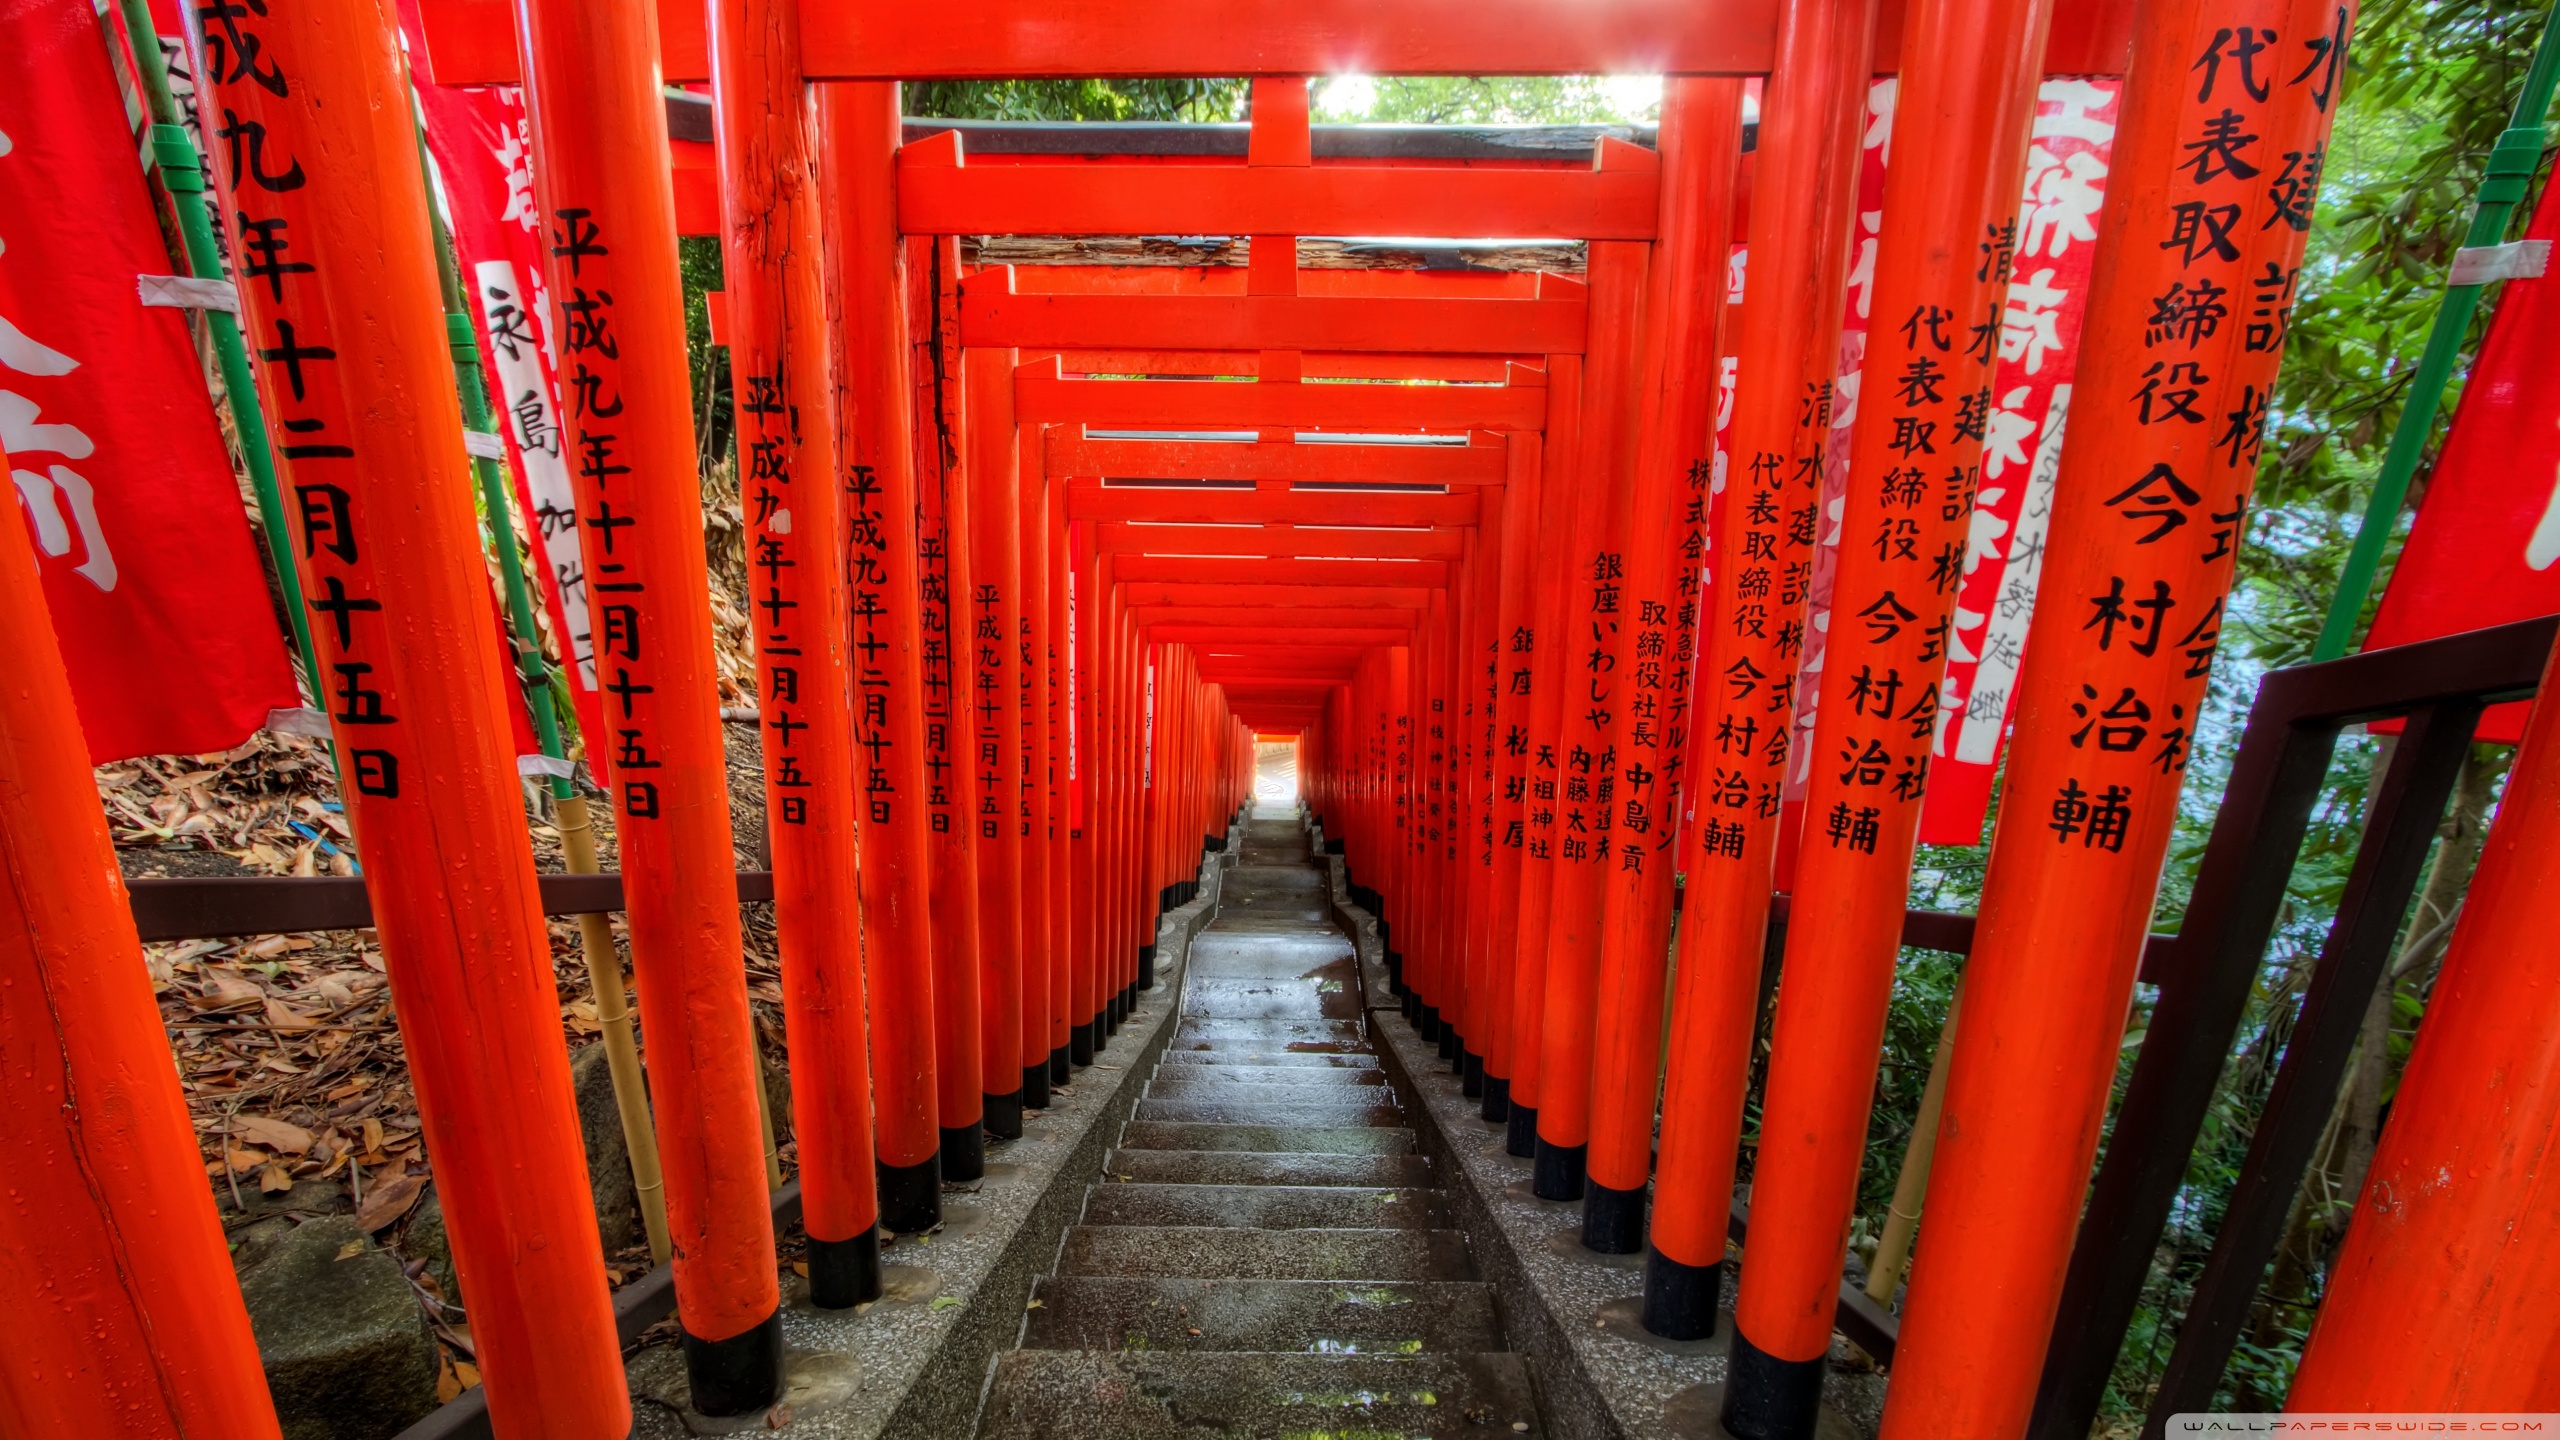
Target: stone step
[[1305, 1037], [1249, 1060], [1093, 1395], [1219, 1253], [1268, 1207], [1238, 998], [1330, 1140], [1275, 1081], [1243, 1111], [1317, 1317], [1246, 1167]]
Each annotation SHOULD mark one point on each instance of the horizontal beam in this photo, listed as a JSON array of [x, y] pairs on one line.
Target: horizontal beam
[[1244, 570], [1312, 364], [1277, 634], [473, 42], [1203, 506], [1279, 596], [994, 39], [1616, 203], [1277, 541], [1368, 616], [1066, 453], [1051, 399], [1229, 280], [991, 314]]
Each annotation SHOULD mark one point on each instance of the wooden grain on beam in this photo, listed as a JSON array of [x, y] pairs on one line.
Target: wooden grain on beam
[[1068, 454], [1203, 506]]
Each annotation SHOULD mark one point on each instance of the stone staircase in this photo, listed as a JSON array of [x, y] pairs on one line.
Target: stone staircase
[[1267, 1254]]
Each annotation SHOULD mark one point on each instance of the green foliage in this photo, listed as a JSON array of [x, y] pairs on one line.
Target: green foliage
[[1490, 100], [1198, 101], [2432, 84]]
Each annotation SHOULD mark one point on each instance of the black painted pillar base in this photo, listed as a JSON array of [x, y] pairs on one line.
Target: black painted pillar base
[[1471, 1075], [1497, 1098], [1428, 1024], [736, 1376], [1062, 1062], [1004, 1116], [1411, 1005], [911, 1196], [1080, 1043], [1558, 1175], [844, 1273], [1395, 971], [1766, 1398], [1035, 1086], [1448, 1040], [1146, 967], [1612, 1220], [1681, 1301], [964, 1152], [1521, 1140]]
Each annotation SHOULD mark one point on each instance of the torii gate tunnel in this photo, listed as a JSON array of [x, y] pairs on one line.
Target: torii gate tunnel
[[1037, 551]]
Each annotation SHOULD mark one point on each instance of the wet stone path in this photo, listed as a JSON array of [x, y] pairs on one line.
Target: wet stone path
[[1267, 1254]]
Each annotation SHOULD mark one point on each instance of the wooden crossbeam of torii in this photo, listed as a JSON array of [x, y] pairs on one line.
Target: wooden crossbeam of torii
[[472, 42], [1378, 617], [996, 311], [1285, 597], [1194, 570], [1071, 452], [1279, 541], [1044, 395], [1200, 505]]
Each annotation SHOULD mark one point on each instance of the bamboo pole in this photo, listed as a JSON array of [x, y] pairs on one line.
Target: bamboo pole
[[612, 991], [1902, 1215]]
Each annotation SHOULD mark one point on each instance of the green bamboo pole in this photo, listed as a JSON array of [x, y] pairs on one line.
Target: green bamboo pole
[[575, 823], [2512, 163], [173, 151]]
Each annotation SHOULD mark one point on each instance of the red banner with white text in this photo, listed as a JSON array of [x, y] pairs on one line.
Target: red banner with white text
[[114, 453], [483, 153], [2485, 549]]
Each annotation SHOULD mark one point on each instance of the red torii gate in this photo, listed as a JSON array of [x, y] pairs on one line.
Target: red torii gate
[[1575, 521]]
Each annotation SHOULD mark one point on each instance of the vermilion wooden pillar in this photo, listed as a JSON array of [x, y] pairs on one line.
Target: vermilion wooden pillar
[[858, 129], [2188, 306], [1970, 69], [1597, 685], [1476, 841], [1059, 816], [951, 782], [1804, 193], [1560, 498], [1507, 735], [995, 537], [128, 1319], [2437, 1301], [778, 351], [600, 148], [1701, 149], [1028, 644]]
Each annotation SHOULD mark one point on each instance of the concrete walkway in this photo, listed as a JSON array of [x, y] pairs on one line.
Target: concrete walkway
[[1267, 1254]]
